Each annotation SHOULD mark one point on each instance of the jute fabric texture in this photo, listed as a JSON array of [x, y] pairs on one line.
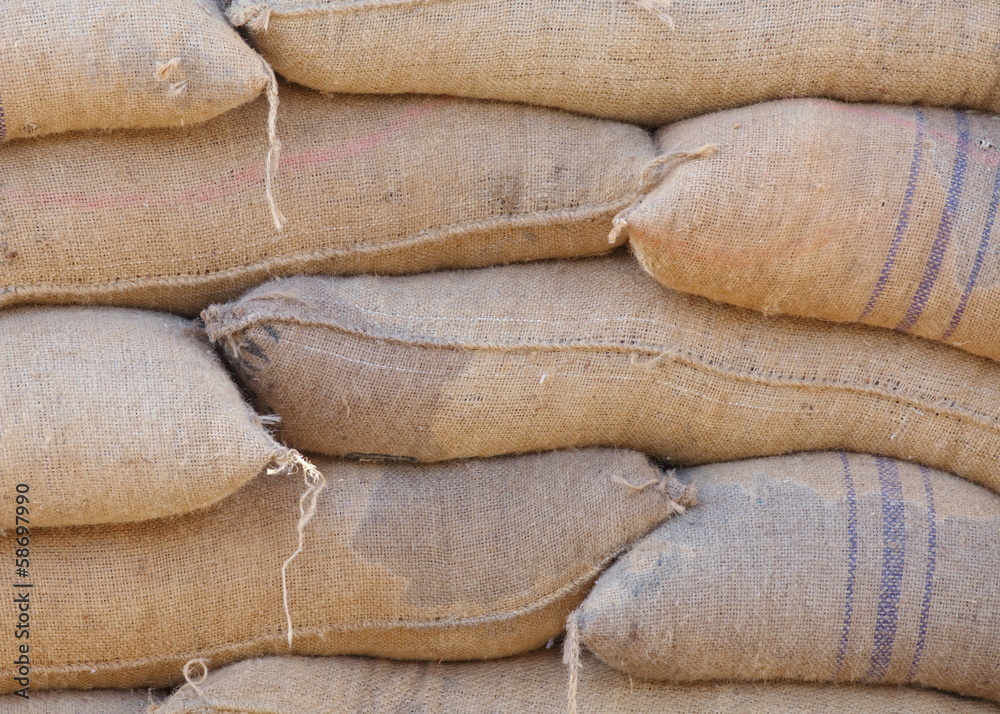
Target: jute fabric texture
[[113, 415], [77, 702], [850, 212], [573, 353], [467, 560], [104, 64], [648, 61], [175, 220], [529, 684], [821, 567]]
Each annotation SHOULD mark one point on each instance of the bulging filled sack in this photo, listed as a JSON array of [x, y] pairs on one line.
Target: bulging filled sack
[[468, 560], [854, 213], [534, 683], [649, 61], [366, 184], [102, 64], [819, 567], [574, 353], [113, 415]]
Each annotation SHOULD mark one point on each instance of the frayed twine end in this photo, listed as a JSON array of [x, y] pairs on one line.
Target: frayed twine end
[[273, 147], [679, 501], [258, 19], [315, 483], [178, 89], [687, 498], [218, 331], [618, 226], [255, 17], [651, 175], [192, 681], [165, 69], [676, 509], [571, 658]]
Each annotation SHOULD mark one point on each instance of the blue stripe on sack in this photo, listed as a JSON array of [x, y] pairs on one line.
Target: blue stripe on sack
[[940, 245], [852, 562], [893, 552], [984, 242], [3, 123], [925, 606], [902, 221]]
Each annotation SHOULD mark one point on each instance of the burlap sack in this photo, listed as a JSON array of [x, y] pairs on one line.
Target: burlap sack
[[466, 560], [530, 684], [820, 567], [103, 64], [99, 702], [572, 353], [175, 220], [650, 61], [112, 415], [855, 213]]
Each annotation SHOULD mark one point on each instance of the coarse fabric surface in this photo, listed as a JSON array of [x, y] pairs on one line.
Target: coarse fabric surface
[[175, 220], [849, 212], [79, 702], [534, 683], [468, 560], [648, 61], [110, 415], [104, 64], [827, 567], [572, 353]]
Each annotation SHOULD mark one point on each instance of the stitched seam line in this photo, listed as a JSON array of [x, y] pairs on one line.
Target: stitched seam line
[[242, 12], [685, 358], [292, 260], [279, 638]]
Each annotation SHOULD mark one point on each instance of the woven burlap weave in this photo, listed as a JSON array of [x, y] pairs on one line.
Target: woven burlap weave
[[819, 567], [104, 64], [573, 353], [848, 212], [649, 61], [175, 220], [112, 415], [530, 684], [73, 702], [467, 560]]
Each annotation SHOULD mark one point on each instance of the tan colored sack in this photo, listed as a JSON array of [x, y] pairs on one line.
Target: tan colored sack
[[468, 560], [99, 702], [855, 213], [818, 567], [175, 220], [104, 64], [530, 684], [649, 61], [112, 415], [573, 353]]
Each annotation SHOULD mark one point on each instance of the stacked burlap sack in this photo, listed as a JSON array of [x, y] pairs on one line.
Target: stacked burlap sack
[[392, 467]]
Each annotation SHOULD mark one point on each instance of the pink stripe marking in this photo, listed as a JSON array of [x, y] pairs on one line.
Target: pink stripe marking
[[228, 185]]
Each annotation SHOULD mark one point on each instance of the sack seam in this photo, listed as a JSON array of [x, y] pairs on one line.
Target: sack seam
[[243, 13], [271, 264], [279, 637], [217, 332]]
